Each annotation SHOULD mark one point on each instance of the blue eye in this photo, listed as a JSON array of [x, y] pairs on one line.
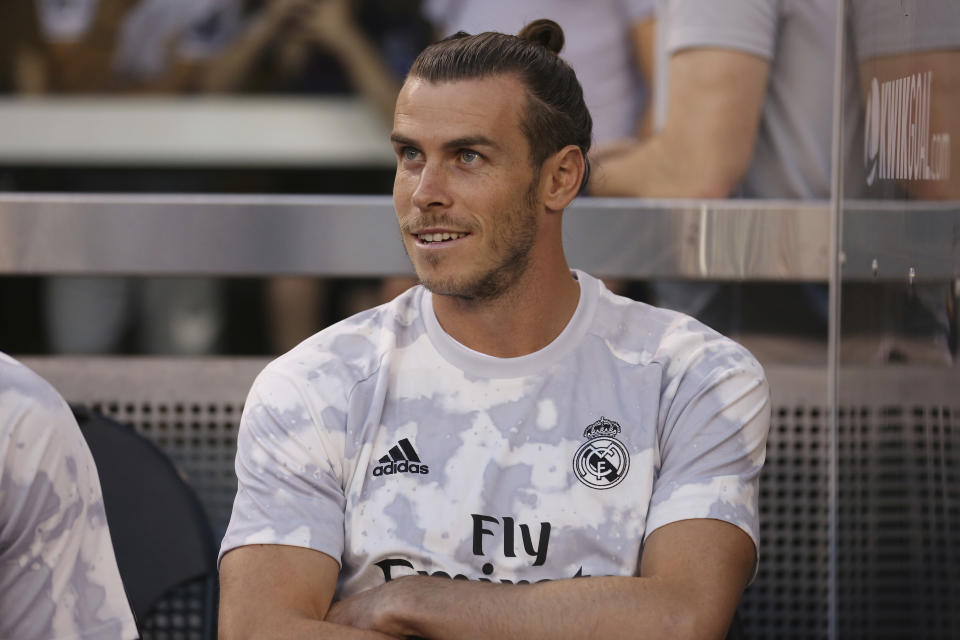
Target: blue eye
[[409, 153], [467, 156]]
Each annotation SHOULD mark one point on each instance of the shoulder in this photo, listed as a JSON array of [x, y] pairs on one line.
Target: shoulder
[[32, 413], [749, 26], [56, 546], [19, 382], [42, 453], [339, 357], [639, 333]]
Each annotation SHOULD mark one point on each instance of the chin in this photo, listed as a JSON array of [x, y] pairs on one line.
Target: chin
[[445, 286], [487, 286]]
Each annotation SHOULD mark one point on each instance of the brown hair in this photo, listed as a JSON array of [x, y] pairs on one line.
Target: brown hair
[[556, 115]]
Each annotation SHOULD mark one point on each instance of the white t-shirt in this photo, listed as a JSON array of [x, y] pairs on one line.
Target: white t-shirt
[[598, 46], [58, 573], [386, 444]]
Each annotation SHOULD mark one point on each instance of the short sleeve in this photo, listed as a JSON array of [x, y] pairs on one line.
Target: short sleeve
[[289, 470], [749, 26], [636, 10], [58, 573], [712, 440]]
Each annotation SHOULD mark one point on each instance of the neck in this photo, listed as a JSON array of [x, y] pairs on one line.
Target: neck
[[524, 319]]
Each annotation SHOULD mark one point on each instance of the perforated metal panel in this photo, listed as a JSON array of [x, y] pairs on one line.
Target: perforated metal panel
[[200, 435], [899, 504], [179, 616], [788, 598]]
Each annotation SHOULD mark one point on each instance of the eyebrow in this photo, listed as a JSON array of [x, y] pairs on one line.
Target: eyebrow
[[456, 143]]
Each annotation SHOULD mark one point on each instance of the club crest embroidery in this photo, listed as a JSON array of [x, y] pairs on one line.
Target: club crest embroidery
[[602, 461]]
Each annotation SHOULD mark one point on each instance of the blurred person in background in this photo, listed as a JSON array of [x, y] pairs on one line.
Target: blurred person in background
[[58, 573], [916, 42], [107, 46], [85, 47], [610, 45], [290, 47], [309, 48], [742, 108], [908, 49]]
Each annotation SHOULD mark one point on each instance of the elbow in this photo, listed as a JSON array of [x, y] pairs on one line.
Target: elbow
[[231, 629], [680, 624], [715, 181], [689, 622], [709, 190]]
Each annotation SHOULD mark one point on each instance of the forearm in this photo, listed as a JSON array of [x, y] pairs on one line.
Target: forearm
[[228, 71], [368, 73], [706, 143], [276, 591], [294, 628], [29, 73], [602, 607], [662, 167]]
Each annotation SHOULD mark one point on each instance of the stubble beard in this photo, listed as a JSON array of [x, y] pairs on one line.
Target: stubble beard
[[518, 234]]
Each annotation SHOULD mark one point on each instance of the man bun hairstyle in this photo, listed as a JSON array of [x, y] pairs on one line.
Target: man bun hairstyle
[[555, 114], [546, 33]]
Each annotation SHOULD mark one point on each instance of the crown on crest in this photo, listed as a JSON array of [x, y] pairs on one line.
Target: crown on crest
[[602, 427]]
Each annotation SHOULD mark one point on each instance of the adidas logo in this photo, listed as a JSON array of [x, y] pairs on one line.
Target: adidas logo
[[400, 459]]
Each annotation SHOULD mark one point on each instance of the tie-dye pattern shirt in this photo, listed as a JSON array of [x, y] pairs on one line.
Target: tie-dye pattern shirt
[[58, 574], [386, 444]]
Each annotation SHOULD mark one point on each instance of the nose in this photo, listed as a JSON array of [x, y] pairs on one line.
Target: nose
[[432, 189]]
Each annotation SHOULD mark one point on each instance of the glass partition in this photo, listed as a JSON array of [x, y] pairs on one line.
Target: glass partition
[[898, 407]]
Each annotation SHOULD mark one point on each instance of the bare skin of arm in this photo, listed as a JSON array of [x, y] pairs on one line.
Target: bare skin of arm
[[29, 72], [944, 114], [229, 70], [705, 146], [276, 591], [693, 573], [325, 23], [331, 25], [642, 36]]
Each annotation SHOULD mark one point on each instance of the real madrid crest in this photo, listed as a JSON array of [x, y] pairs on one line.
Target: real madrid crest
[[602, 461]]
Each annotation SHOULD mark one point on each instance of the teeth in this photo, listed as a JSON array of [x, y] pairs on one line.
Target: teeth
[[439, 237]]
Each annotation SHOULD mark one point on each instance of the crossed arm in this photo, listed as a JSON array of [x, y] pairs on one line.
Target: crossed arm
[[692, 575]]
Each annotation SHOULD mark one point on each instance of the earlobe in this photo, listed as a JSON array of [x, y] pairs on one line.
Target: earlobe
[[564, 173]]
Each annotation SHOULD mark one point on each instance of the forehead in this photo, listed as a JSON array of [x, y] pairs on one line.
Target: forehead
[[491, 106]]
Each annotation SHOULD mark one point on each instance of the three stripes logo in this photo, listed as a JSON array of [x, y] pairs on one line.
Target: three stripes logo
[[402, 458]]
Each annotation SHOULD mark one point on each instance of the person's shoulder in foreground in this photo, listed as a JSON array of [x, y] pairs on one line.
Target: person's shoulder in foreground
[[58, 573]]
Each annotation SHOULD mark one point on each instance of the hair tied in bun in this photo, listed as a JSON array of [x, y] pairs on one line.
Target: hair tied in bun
[[544, 32]]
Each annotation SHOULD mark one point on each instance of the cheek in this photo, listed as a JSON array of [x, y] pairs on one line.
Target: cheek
[[402, 193], [398, 185]]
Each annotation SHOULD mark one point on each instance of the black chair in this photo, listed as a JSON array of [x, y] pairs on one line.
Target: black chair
[[162, 539]]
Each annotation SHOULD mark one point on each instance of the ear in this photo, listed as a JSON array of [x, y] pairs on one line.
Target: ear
[[561, 176]]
